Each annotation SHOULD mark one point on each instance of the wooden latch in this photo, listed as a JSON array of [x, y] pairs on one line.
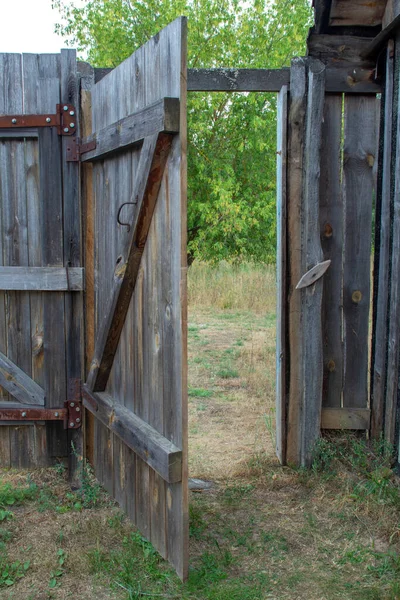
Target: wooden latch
[[64, 119], [313, 275]]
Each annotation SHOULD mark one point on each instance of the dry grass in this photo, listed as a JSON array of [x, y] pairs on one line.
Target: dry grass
[[263, 532]]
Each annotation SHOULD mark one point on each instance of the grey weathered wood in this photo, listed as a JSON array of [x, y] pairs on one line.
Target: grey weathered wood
[[153, 448], [281, 281], [383, 36], [18, 133], [392, 10], [331, 231], [18, 384], [148, 376], [296, 258], [360, 146], [311, 326], [393, 350], [343, 76], [153, 158], [340, 50], [72, 256], [161, 117], [41, 278], [313, 274], [345, 418], [382, 258]]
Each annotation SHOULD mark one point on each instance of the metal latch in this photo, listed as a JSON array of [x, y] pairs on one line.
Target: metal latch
[[64, 119]]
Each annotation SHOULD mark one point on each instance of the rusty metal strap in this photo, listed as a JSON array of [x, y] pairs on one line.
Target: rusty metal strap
[[64, 119], [71, 414]]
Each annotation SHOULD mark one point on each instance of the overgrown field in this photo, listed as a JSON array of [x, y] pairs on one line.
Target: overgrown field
[[260, 532]]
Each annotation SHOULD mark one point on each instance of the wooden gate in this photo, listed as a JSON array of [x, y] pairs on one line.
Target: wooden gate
[[41, 279], [327, 151], [136, 289]]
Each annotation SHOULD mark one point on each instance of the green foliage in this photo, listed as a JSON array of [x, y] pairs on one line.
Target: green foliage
[[11, 572], [15, 495], [59, 570], [231, 137]]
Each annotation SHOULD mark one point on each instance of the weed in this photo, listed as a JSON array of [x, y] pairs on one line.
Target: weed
[[197, 525], [10, 573], [59, 570], [199, 392], [227, 372], [235, 493]]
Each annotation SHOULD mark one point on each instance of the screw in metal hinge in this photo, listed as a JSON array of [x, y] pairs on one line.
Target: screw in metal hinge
[[56, 414], [72, 125], [66, 129], [48, 120], [78, 409], [65, 108], [13, 121], [72, 424], [23, 414], [72, 403], [78, 420], [72, 112]]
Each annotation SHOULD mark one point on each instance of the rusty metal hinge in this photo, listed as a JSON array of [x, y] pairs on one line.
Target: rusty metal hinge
[[64, 119], [71, 414], [75, 149]]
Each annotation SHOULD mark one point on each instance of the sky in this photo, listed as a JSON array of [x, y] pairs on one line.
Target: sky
[[28, 26]]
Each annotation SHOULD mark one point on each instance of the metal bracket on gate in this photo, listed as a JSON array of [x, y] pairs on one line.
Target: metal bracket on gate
[[75, 149], [71, 414], [64, 119]]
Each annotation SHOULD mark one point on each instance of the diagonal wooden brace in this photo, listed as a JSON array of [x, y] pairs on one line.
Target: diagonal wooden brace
[[153, 158]]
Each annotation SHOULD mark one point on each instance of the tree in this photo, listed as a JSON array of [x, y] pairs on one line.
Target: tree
[[232, 139]]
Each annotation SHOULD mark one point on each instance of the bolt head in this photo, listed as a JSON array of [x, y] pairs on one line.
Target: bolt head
[[72, 125], [72, 404], [56, 414], [72, 112], [77, 409], [65, 108], [13, 121], [72, 424], [48, 120], [66, 129], [24, 414], [78, 420]]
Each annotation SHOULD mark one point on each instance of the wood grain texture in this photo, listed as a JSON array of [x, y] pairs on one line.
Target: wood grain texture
[[148, 376], [393, 349], [360, 150], [153, 448], [161, 117], [346, 418], [281, 281], [356, 12], [296, 257], [382, 254], [392, 10], [331, 231], [19, 384], [311, 330], [36, 279]]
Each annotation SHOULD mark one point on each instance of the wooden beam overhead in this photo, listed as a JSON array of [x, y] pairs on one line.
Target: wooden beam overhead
[[356, 13]]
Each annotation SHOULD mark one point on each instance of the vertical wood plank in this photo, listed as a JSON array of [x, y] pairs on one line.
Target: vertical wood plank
[[311, 322], [72, 257], [281, 266], [296, 258], [331, 227], [360, 147], [382, 252], [392, 381]]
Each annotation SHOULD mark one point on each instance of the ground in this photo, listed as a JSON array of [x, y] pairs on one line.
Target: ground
[[262, 531]]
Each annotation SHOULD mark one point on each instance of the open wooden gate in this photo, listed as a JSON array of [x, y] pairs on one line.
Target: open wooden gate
[[136, 291]]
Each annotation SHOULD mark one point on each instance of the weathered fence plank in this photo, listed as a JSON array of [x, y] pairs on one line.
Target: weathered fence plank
[[331, 228], [360, 145], [40, 279], [19, 384], [281, 282], [382, 254]]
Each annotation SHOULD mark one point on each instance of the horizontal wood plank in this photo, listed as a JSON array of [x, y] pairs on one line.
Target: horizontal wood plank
[[163, 117], [19, 384], [345, 418], [152, 447], [41, 279]]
